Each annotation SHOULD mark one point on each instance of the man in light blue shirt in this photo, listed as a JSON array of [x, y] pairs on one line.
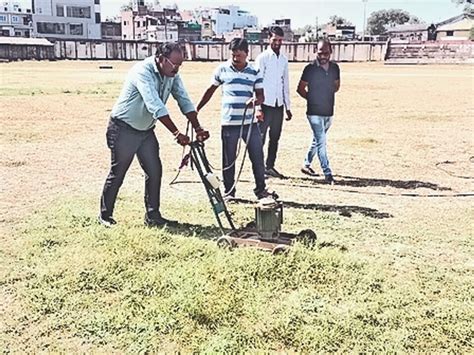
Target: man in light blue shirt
[[131, 128]]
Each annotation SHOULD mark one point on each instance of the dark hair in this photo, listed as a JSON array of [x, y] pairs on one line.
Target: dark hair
[[275, 30], [165, 49], [239, 44], [325, 42]]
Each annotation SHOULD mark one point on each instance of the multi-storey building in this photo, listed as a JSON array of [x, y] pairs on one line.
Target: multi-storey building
[[228, 18], [67, 19], [154, 23], [15, 21]]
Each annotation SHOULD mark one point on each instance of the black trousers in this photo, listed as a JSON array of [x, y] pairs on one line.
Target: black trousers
[[273, 120], [230, 136], [125, 142]]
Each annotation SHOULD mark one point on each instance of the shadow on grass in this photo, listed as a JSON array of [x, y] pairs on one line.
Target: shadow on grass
[[196, 230], [345, 211], [353, 181]]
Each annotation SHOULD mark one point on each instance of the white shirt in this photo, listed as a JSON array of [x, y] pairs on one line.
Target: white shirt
[[274, 69]]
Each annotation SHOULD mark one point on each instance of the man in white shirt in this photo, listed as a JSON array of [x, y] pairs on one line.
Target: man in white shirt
[[273, 67]]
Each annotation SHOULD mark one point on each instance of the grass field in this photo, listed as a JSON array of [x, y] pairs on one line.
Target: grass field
[[392, 270]]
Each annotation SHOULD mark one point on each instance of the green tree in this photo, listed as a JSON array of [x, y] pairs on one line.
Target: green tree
[[379, 21], [468, 8], [338, 20]]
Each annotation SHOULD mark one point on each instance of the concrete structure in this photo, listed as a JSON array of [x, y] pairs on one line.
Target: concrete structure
[[15, 21], [111, 30], [189, 31], [409, 32], [228, 18], [18, 48], [153, 23], [339, 32], [166, 32], [459, 28], [67, 19], [439, 52]]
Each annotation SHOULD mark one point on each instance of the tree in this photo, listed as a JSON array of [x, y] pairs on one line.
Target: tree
[[338, 20], [468, 8], [379, 21], [127, 7]]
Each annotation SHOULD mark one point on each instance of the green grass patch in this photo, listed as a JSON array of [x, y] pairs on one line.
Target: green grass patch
[[137, 289]]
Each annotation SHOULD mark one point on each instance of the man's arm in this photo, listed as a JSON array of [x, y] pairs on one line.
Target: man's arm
[[337, 85], [302, 89], [206, 97], [155, 105], [286, 92], [259, 97]]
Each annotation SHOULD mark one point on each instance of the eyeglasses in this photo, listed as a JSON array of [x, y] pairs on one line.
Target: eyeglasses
[[175, 66]]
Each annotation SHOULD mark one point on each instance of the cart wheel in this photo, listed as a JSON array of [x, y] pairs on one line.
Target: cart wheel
[[225, 242], [307, 237], [280, 249]]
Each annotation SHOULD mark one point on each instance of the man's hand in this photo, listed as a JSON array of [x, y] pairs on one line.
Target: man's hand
[[250, 103], [201, 134], [289, 115], [182, 139], [260, 116]]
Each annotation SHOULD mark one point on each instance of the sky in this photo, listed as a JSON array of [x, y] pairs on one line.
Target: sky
[[305, 12]]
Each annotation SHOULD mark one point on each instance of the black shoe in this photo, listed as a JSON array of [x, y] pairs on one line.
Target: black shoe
[[308, 171], [107, 222], [159, 222], [329, 179], [267, 194], [273, 173]]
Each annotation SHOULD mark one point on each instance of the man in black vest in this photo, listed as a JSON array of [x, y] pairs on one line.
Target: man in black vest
[[318, 85]]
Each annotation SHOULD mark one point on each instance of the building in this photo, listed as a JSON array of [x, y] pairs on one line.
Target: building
[[409, 31], [228, 18], [153, 23], [189, 31], [15, 21], [111, 30], [339, 32], [79, 19], [163, 32], [459, 28]]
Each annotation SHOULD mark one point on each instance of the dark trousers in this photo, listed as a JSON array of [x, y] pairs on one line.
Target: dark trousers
[[125, 142], [273, 119], [230, 136]]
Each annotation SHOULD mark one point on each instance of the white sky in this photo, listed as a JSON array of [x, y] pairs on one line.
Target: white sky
[[303, 12]]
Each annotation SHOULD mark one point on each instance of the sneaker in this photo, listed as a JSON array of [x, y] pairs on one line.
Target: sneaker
[[107, 222], [273, 173], [329, 179], [228, 198], [308, 171], [159, 222], [267, 194]]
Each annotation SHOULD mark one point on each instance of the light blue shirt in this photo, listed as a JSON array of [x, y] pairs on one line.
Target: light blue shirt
[[145, 93]]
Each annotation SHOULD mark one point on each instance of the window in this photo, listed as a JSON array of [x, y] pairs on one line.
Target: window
[[3, 18], [51, 28], [124, 36], [16, 19], [79, 11], [76, 29], [144, 24], [18, 34], [97, 17], [450, 33], [59, 10], [125, 23], [97, 2], [138, 23]]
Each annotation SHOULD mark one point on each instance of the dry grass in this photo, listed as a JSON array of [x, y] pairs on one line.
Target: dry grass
[[392, 126]]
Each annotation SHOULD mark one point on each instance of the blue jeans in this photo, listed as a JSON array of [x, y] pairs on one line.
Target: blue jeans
[[230, 138], [320, 126]]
